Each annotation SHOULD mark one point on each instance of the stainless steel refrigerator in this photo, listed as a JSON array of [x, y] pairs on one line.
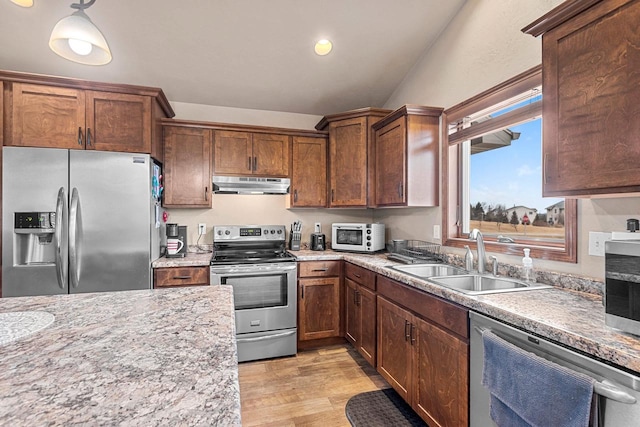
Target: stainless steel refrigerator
[[77, 221]]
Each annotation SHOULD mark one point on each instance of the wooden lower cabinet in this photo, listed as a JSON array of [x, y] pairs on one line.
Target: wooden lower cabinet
[[360, 311], [319, 302], [426, 363], [180, 276]]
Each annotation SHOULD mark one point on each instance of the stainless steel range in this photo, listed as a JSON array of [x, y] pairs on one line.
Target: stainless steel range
[[254, 261]]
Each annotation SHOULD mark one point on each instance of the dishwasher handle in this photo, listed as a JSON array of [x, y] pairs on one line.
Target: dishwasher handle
[[604, 388]]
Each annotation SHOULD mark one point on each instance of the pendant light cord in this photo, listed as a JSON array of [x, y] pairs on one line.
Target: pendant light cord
[[82, 5]]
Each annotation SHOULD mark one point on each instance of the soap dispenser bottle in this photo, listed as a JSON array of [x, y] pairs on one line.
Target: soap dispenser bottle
[[527, 267]]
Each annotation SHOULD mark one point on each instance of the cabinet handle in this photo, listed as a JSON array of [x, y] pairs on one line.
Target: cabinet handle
[[88, 137], [80, 136], [302, 292], [400, 192], [407, 330], [355, 297], [333, 195], [255, 163], [249, 167], [206, 194], [182, 277], [413, 337], [320, 269], [359, 302], [545, 170], [357, 275], [295, 195]]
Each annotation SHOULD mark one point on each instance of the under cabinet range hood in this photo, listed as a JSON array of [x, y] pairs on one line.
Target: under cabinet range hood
[[250, 185]]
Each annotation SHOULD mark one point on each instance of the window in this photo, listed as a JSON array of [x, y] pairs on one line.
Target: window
[[492, 164]]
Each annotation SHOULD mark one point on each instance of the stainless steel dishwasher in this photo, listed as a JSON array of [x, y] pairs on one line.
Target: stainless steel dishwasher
[[618, 390]]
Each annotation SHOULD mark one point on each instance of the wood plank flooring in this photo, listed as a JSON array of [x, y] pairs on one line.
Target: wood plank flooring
[[309, 389]]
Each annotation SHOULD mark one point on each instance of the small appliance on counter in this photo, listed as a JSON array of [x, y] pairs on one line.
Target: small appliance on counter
[[295, 236], [318, 241], [357, 237], [622, 285], [176, 241]]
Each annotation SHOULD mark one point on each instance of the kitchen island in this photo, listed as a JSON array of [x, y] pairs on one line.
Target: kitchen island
[[152, 357]]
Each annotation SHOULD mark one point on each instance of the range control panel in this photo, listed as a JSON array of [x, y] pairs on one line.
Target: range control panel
[[248, 232]]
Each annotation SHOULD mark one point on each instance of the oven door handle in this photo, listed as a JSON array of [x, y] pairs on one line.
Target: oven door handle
[[603, 388], [229, 273], [266, 337]]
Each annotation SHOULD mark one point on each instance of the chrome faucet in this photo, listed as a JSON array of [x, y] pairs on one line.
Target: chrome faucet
[[477, 236]]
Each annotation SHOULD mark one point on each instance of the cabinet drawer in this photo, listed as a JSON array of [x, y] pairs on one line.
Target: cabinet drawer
[[319, 268], [360, 275], [180, 276]]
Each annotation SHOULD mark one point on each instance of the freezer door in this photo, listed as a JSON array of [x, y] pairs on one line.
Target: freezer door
[[32, 181], [109, 221]]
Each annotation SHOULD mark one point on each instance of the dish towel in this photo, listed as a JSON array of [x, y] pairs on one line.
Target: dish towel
[[527, 390]]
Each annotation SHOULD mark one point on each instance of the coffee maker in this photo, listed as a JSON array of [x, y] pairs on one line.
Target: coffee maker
[[176, 241]]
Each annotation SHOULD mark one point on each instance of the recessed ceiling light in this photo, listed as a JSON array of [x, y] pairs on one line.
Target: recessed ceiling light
[[23, 3], [323, 47]]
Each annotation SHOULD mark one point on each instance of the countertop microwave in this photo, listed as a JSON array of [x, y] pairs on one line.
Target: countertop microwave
[[357, 237], [622, 285]]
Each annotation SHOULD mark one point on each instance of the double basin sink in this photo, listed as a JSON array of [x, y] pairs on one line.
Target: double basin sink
[[461, 280]]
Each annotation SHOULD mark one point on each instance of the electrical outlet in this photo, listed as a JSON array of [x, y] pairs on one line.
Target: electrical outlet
[[436, 232], [318, 228], [202, 229], [596, 242]]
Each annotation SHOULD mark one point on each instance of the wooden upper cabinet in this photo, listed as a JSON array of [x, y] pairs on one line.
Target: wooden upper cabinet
[[56, 112], [246, 153], [351, 156], [187, 167], [407, 147], [591, 87], [46, 116], [309, 172], [118, 122]]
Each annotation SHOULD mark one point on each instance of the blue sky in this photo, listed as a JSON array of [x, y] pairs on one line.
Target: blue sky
[[511, 175]]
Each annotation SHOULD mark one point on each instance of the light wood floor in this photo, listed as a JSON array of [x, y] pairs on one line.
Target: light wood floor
[[309, 389]]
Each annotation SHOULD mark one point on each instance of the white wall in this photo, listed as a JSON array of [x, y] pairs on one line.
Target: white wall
[[483, 46]]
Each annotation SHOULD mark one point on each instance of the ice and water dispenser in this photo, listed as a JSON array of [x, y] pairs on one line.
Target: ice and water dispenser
[[33, 241]]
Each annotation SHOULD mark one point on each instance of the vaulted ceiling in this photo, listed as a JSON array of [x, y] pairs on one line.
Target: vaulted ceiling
[[254, 54]]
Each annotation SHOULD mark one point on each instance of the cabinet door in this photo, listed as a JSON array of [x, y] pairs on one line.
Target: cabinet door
[[44, 116], [309, 176], [187, 167], [441, 387], [391, 163], [352, 313], [233, 153], [367, 310], [180, 276], [118, 122], [348, 162], [271, 155], [395, 353], [319, 308], [591, 88]]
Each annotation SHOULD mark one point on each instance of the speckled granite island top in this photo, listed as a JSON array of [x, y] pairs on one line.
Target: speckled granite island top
[[156, 357]]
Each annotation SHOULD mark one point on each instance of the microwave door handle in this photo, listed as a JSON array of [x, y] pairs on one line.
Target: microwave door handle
[[61, 239]]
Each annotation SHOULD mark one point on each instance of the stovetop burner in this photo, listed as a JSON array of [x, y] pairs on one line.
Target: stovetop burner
[[249, 244]]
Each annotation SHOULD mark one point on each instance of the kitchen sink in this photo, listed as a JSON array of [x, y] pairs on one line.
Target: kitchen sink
[[475, 284], [429, 270]]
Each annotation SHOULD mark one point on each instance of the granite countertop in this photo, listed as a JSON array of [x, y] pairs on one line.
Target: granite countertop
[[152, 357], [192, 259]]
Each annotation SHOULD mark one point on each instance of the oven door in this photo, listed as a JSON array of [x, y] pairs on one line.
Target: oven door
[[264, 294]]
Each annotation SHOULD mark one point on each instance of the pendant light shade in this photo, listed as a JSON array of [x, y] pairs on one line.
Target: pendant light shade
[[23, 3], [77, 39]]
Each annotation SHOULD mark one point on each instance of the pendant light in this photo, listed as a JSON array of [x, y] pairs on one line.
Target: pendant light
[[77, 39], [23, 3]]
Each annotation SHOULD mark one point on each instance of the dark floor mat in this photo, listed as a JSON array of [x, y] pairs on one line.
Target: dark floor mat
[[381, 408]]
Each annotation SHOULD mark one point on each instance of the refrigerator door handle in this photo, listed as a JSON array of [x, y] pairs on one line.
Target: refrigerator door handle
[[75, 239], [61, 238]]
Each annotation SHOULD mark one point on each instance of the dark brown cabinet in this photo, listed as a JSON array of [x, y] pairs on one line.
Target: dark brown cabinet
[[247, 153], [319, 302], [423, 352], [187, 167], [309, 172], [360, 310], [180, 276], [351, 156], [62, 117], [591, 87], [407, 149]]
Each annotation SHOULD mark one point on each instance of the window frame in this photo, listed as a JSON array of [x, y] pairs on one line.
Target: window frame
[[451, 152]]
